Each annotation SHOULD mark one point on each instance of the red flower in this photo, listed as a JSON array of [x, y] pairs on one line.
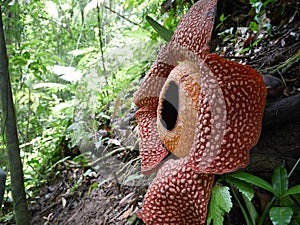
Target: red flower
[[205, 110]]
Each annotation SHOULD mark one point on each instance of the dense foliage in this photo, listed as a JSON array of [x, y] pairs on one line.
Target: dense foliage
[[70, 61]]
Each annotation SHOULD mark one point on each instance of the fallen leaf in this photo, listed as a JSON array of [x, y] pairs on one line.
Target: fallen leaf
[[126, 214]]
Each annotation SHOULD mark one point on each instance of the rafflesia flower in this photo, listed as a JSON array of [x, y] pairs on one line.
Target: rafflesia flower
[[203, 109]]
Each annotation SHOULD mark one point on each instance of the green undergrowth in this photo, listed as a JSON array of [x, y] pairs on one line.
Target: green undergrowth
[[283, 209]]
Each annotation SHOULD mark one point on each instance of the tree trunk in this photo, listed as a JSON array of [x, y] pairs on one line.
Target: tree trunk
[[2, 185], [11, 136]]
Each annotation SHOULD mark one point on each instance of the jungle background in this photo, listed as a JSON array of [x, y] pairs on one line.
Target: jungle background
[[74, 66]]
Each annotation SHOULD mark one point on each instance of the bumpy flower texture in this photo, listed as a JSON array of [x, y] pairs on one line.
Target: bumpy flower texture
[[204, 110]]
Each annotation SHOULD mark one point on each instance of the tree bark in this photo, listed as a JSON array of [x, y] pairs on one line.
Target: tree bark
[[2, 185], [9, 130]]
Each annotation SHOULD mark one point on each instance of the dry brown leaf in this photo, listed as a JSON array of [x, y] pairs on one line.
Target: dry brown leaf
[[126, 214]]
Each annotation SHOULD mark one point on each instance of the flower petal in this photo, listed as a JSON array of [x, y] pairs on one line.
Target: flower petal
[[194, 31], [152, 151], [177, 196], [232, 102]]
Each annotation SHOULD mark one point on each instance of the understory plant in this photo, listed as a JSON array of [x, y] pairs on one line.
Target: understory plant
[[283, 209]]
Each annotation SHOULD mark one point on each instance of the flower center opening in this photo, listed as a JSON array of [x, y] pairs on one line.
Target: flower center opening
[[169, 112]]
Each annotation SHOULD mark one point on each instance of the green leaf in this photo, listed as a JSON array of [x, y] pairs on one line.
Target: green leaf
[[244, 187], [220, 203], [281, 215], [293, 190], [253, 26], [222, 17], [280, 180], [251, 210], [244, 211], [286, 201], [215, 214], [252, 179], [162, 31]]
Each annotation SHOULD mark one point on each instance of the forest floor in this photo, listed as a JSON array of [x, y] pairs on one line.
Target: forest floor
[[86, 195]]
